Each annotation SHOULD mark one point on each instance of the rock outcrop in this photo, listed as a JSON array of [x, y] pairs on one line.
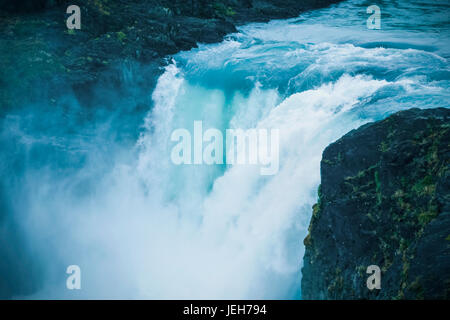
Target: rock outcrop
[[384, 200], [118, 52], [37, 47]]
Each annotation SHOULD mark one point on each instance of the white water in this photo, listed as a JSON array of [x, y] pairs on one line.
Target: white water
[[150, 229]]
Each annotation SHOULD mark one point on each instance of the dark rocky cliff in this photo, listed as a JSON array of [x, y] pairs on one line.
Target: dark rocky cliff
[[36, 47], [384, 200]]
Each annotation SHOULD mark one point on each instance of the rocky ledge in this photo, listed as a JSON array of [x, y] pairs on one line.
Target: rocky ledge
[[384, 200], [36, 47]]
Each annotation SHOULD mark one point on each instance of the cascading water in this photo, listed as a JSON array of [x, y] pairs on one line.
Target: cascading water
[[150, 229]]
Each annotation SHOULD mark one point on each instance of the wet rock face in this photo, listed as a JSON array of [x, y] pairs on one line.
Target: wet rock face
[[384, 200]]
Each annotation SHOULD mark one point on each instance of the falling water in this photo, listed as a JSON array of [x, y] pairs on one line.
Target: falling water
[[141, 227]]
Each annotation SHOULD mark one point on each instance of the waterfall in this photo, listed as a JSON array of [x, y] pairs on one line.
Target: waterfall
[[151, 229]]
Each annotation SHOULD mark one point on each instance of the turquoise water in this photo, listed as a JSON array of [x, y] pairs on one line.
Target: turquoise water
[[90, 194]]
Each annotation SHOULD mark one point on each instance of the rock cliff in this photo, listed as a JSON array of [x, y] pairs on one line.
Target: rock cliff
[[37, 47], [384, 200]]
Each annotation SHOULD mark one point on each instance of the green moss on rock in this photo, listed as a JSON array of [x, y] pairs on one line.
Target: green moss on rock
[[386, 204]]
